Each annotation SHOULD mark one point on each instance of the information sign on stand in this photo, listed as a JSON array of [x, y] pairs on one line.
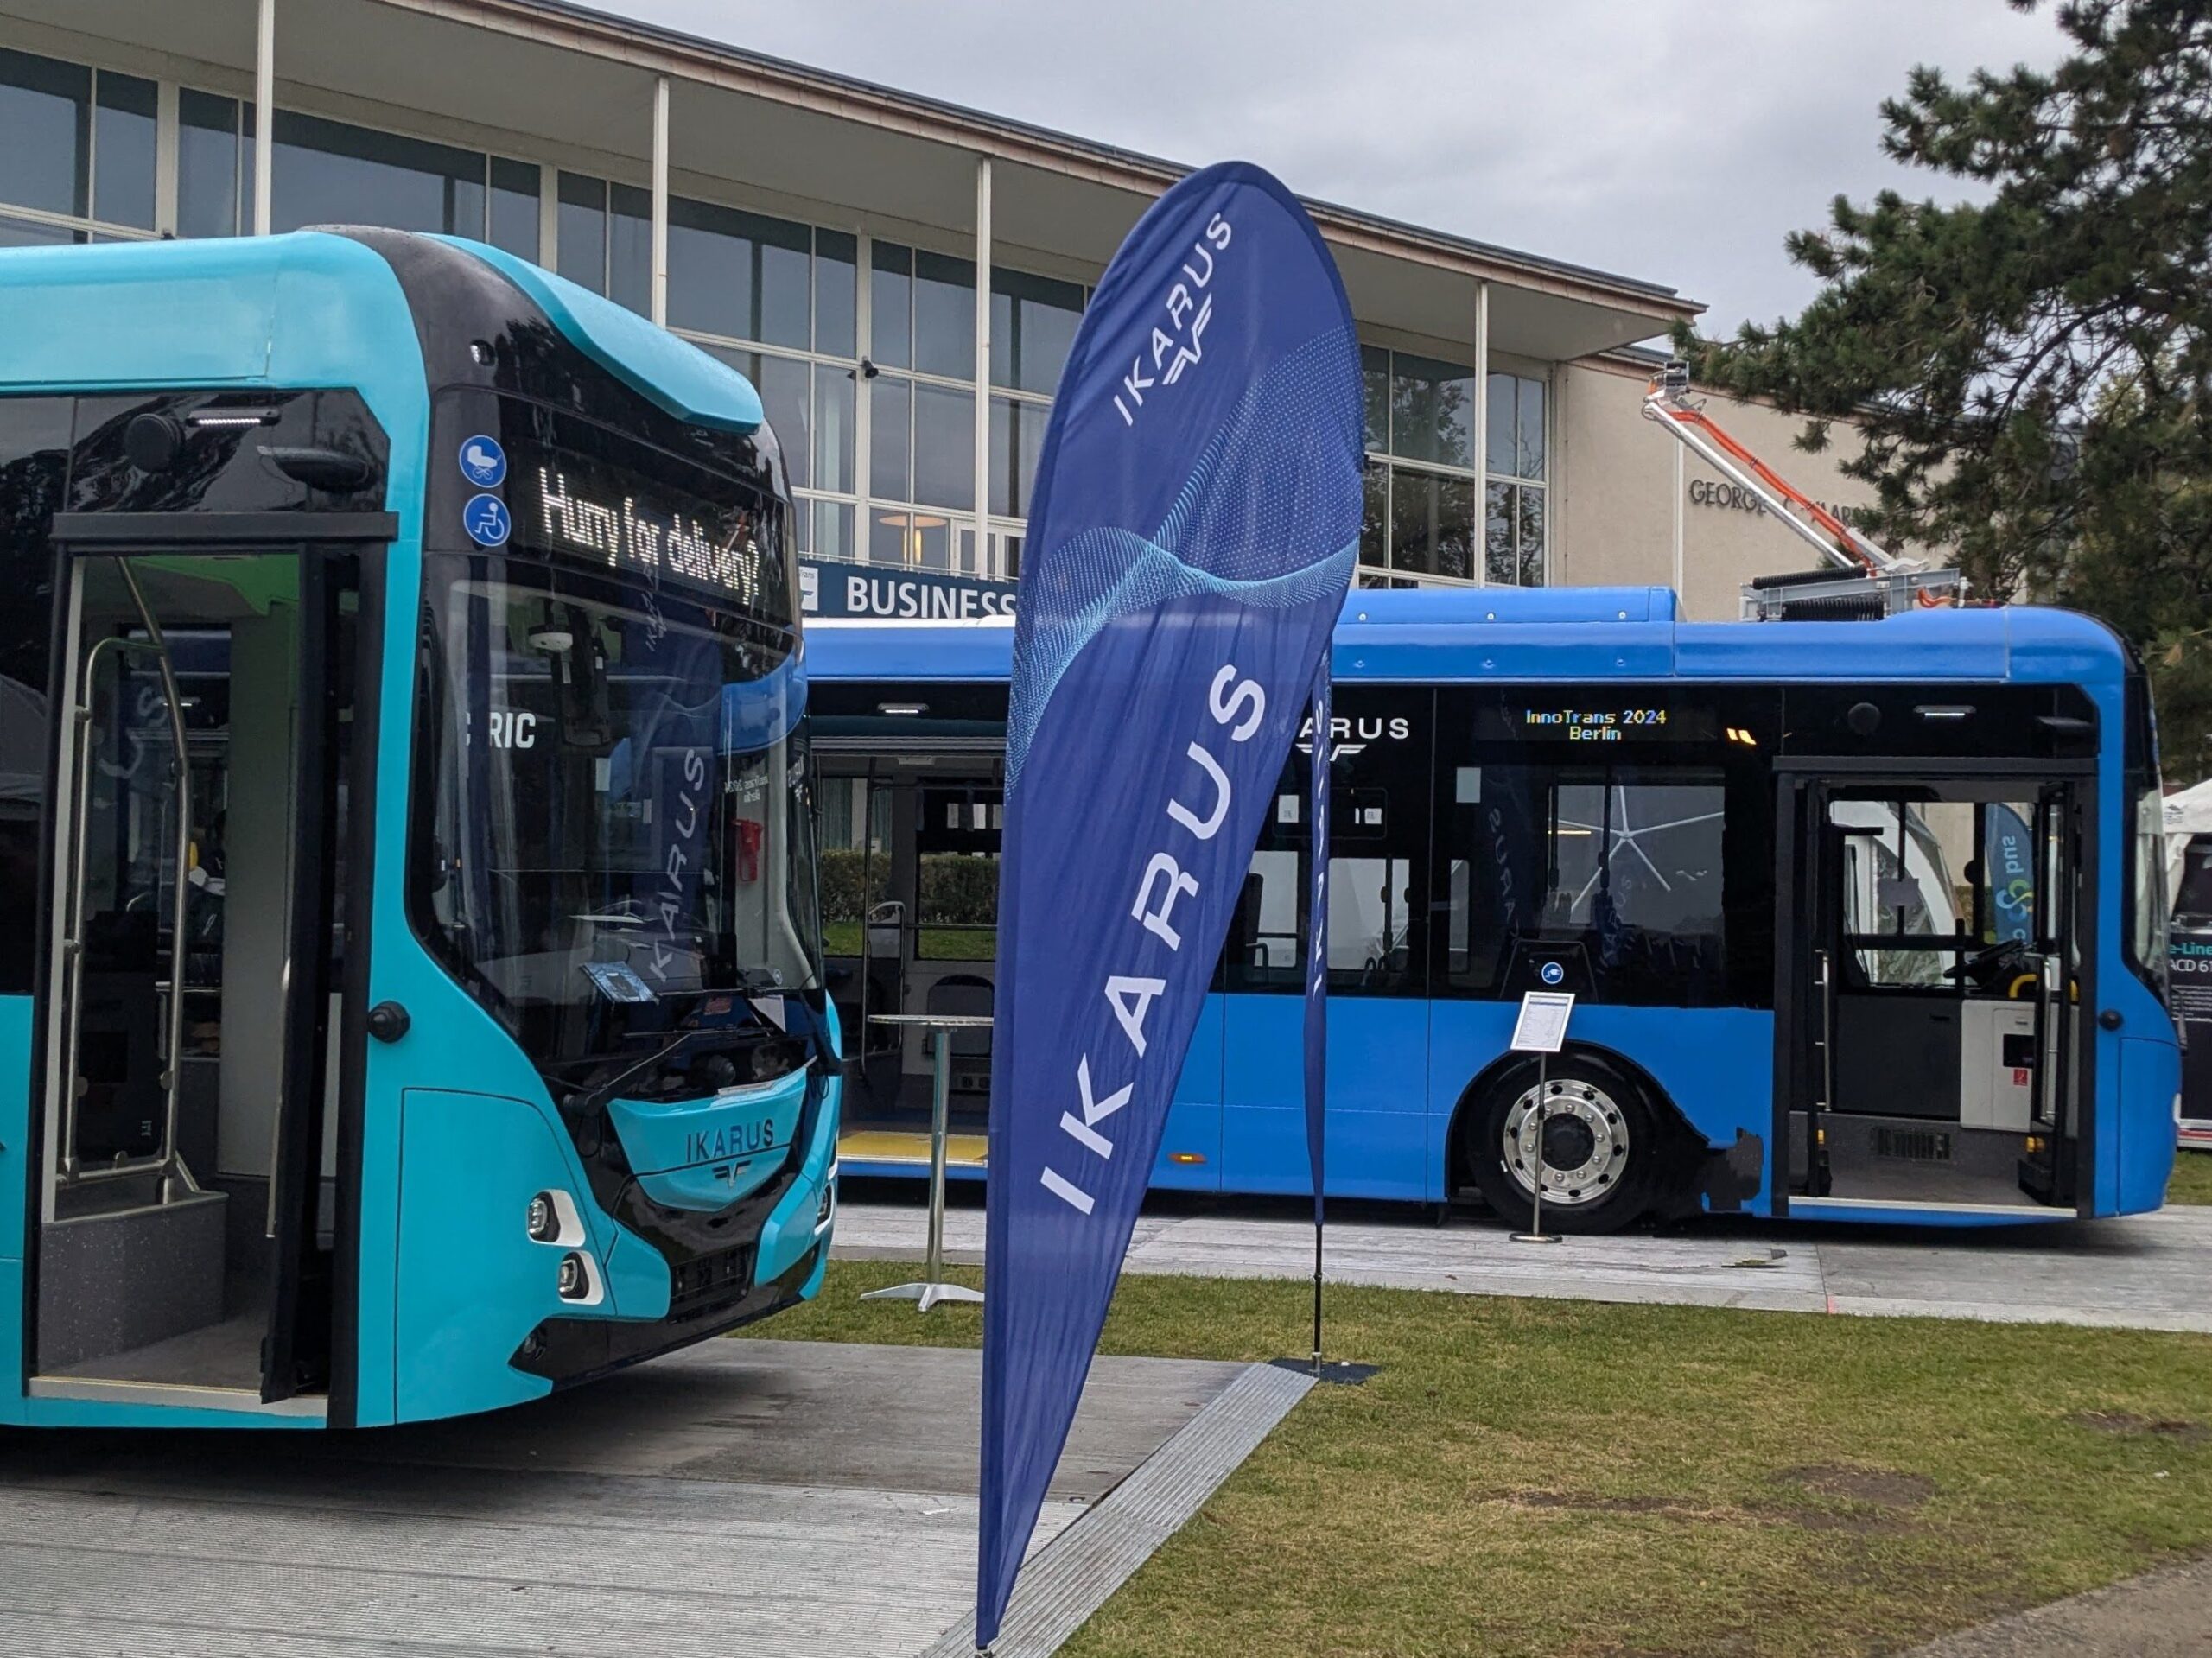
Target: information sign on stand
[[1541, 1029]]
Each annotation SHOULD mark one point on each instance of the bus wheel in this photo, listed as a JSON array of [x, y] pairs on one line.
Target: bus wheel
[[1598, 1149]]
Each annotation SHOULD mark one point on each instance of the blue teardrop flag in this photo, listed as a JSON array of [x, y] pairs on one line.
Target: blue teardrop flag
[[1195, 521]]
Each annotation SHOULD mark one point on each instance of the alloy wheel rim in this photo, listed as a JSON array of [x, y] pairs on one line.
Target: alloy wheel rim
[[1585, 1142]]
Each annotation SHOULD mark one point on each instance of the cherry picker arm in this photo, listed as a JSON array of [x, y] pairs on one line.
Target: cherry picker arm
[[1667, 402]]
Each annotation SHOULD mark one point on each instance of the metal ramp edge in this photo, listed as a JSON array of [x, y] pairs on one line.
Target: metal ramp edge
[[1076, 1574]]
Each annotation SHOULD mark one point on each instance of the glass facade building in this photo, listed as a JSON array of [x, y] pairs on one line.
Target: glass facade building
[[863, 346]]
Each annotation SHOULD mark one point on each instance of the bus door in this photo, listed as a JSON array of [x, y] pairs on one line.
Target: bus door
[[912, 821], [187, 1203], [1929, 977], [910, 855]]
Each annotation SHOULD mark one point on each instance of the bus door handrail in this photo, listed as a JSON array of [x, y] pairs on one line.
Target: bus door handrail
[[2051, 980], [1825, 968], [176, 1179]]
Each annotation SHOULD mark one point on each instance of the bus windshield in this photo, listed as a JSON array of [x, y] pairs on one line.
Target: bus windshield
[[617, 823]]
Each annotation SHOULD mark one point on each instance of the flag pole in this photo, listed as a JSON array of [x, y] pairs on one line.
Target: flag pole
[[1316, 979]]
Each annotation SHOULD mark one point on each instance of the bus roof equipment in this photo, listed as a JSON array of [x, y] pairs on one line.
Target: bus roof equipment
[[1875, 582]]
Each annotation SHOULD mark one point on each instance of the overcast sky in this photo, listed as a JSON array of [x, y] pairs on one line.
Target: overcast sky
[[1672, 140]]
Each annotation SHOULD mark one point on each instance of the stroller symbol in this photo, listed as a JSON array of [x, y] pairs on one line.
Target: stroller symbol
[[483, 462]]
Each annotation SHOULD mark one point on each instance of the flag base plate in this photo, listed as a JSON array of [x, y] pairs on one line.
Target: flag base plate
[[1339, 1372], [928, 1295]]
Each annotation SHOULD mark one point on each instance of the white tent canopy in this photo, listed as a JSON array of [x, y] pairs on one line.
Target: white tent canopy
[[2187, 813]]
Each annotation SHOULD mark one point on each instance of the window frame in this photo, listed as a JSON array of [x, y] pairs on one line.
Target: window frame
[[1384, 463], [81, 227]]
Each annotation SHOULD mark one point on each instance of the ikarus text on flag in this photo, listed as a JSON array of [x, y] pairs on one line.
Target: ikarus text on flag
[[1195, 520]]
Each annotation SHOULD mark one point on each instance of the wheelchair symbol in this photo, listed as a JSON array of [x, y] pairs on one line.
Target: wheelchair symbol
[[486, 519]]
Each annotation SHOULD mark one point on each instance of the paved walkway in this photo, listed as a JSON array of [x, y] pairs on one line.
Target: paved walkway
[[2163, 1614], [2148, 1271], [781, 1499]]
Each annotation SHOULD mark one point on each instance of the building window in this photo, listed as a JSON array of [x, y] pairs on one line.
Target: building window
[[1420, 522], [1515, 538], [215, 176], [921, 419], [78, 160], [1034, 320], [605, 239], [328, 172], [922, 414], [778, 301], [1017, 445], [123, 151], [325, 172], [739, 274], [944, 316]]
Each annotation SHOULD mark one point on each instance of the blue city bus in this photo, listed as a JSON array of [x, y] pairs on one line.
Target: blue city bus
[[1862, 918], [411, 995]]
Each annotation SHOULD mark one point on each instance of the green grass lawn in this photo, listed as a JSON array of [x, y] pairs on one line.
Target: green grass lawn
[[2192, 1181], [1566, 1478]]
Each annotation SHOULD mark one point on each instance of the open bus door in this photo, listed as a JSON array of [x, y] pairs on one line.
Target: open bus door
[[921, 837], [301, 1219], [1928, 988], [188, 1203]]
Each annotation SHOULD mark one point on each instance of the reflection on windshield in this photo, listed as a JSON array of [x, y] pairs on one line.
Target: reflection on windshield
[[618, 812]]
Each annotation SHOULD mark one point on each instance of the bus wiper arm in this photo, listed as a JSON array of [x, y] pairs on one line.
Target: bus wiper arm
[[593, 1098]]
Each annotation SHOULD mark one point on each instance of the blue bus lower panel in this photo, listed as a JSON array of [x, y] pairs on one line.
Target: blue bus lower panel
[[1715, 1063], [1390, 1122], [2150, 1073]]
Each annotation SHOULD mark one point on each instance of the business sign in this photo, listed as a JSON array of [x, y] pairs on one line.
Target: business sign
[[1734, 497], [2189, 994], [1195, 521], [835, 588]]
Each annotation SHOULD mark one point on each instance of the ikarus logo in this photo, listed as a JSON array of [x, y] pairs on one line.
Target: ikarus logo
[[1350, 734], [1179, 332]]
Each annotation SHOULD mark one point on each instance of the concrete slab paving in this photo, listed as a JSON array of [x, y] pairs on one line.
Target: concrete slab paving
[[759, 1497], [2147, 1272], [2162, 1614]]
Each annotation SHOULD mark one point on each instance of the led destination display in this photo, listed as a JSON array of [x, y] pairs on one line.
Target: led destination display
[[1595, 722]]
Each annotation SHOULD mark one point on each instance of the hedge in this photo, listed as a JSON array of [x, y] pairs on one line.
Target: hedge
[[956, 887]]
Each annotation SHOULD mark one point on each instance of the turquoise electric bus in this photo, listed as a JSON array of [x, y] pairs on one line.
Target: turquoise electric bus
[[410, 996], [1864, 919]]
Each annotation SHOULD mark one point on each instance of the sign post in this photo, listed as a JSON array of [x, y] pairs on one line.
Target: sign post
[[933, 1291], [1541, 1029]]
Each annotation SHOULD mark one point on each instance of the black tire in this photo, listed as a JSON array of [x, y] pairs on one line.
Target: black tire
[[1601, 1146]]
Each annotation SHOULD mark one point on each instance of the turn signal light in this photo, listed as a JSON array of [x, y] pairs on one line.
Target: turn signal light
[[2037, 1144], [1186, 1158]]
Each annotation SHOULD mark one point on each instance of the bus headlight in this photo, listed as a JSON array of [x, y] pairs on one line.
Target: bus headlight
[[553, 1218], [544, 1220], [574, 1281]]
